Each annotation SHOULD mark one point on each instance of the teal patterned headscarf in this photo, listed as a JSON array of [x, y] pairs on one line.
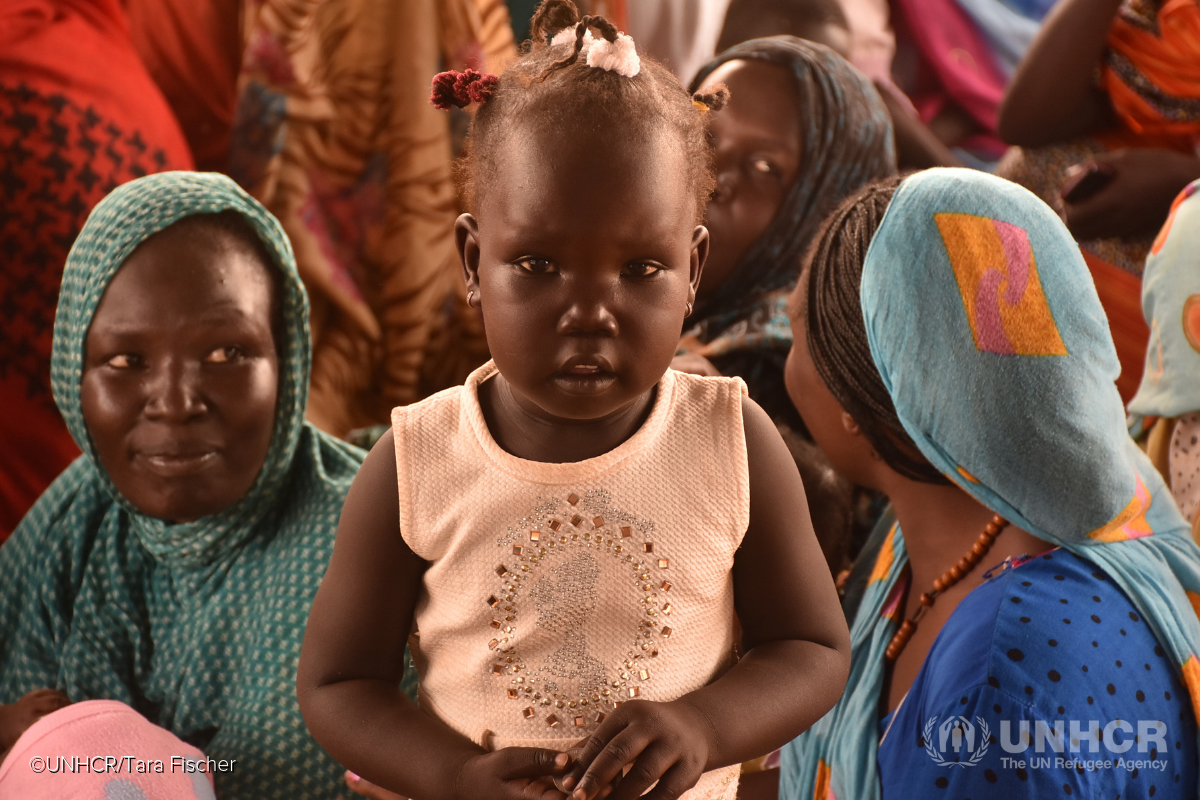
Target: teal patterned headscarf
[[1171, 302], [196, 625], [985, 326]]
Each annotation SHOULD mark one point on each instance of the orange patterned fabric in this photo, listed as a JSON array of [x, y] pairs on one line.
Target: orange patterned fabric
[[1191, 675], [1131, 522], [887, 555], [823, 790], [1120, 294], [1152, 71], [998, 280], [321, 112]]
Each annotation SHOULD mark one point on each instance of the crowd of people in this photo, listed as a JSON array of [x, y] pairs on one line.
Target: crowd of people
[[454, 399]]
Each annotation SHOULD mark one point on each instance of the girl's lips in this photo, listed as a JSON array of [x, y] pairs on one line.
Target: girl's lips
[[580, 382]]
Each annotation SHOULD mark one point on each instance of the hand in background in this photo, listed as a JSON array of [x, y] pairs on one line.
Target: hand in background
[[1137, 199], [649, 742], [15, 718]]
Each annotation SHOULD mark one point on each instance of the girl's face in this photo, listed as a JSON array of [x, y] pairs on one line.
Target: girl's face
[[756, 144], [583, 259], [181, 374]]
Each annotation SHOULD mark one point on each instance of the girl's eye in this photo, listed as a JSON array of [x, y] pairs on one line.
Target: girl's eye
[[223, 355], [124, 361], [537, 266], [643, 269]]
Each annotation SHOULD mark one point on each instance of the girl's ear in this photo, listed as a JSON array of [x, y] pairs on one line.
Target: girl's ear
[[466, 239], [700, 242]]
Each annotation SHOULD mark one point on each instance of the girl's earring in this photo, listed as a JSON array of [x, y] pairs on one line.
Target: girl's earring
[[689, 310], [471, 299]]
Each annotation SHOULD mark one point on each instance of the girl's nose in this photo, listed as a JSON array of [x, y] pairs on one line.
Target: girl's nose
[[588, 314], [173, 392]]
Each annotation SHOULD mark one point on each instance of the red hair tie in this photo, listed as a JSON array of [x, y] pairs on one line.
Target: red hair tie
[[454, 88]]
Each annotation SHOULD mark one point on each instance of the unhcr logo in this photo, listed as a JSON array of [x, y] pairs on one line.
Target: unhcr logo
[[957, 742]]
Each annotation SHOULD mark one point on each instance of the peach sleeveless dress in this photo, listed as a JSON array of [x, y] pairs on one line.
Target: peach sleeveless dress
[[557, 591]]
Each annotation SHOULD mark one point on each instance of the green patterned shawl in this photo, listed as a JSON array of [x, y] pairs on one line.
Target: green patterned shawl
[[198, 625]]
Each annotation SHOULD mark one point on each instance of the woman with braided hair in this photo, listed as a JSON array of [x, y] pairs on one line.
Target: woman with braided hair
[[952, 354], [803, 130]]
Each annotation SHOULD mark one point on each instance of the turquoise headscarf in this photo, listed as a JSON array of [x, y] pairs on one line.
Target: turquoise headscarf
[[1171, 302], [196, 625], [984, 324]]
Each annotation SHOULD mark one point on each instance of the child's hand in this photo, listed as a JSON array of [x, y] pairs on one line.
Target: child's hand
[[15, 718], [664, 742], [511, 773]]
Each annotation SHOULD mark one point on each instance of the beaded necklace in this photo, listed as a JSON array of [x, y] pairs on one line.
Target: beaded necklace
[[948, 578]]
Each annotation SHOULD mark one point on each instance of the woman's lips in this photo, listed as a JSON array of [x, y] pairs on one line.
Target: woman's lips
[[177, 465]]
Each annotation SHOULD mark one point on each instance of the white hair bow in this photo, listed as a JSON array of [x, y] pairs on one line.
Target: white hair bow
[[620, 56]]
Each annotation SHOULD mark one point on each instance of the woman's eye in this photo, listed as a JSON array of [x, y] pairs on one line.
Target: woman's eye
[[643, 269], [537, 266], [222, 355], [764, 167], [123, 361]]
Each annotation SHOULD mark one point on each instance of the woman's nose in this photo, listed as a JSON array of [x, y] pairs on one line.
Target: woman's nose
[[724, 189], [173, 392]]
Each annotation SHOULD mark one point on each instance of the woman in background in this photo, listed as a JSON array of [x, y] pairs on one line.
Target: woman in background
[[1111, 155], [803, 129]]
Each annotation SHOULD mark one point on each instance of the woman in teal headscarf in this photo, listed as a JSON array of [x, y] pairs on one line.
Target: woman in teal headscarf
[[1167, 404], [107, 592], [965, 369]]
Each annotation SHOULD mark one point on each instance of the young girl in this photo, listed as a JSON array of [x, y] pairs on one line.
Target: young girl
[[571, 532]]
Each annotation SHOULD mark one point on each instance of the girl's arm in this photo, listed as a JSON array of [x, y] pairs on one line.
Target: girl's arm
[[352, 661], [793, 633], [1053, 96]]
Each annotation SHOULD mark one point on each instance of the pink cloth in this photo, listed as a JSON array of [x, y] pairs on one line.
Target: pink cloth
[[956, 64], [104, 750]]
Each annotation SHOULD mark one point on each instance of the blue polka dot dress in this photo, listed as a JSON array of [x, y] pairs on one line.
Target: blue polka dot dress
[[1026, 663]]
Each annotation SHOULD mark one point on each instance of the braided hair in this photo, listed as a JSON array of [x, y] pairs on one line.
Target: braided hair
[[551, 88], [837, 334]]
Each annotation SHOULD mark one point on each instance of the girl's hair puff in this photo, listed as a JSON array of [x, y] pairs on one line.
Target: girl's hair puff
[[550, 87]]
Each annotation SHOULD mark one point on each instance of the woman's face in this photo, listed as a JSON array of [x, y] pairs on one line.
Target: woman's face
[[833, 431], [756, 148], [181, 374]]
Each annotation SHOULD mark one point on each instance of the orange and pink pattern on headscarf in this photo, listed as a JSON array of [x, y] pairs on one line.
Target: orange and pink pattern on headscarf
[[1131, 522], [1001, 291]]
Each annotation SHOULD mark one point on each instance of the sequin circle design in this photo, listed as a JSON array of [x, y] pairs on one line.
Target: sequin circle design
[[548, 582]]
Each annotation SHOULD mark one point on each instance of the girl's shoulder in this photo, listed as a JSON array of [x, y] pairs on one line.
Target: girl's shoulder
[[703, 399]]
